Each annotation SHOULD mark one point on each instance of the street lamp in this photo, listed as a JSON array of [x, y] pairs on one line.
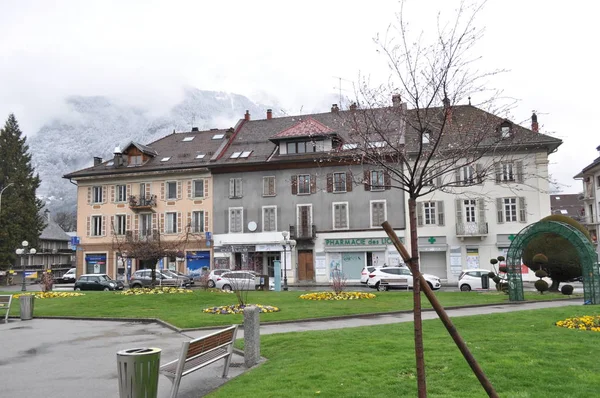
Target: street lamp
[[1, 192], [22, 251], [285, 244]]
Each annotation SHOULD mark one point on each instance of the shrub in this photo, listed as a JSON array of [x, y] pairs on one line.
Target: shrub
[[496, 279], [503, 287], [540, 259], [567, 290], [503, 268], [540, 273], [501, 258], [541, 286], [338, 282], [492, 275], [493, 261]]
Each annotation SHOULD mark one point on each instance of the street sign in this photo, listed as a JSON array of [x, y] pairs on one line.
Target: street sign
[[74, 240], [209, 236]]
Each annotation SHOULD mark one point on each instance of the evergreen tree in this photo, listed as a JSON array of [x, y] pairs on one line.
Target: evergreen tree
[[20, 216]]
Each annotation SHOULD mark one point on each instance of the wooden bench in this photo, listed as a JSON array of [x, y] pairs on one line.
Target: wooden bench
[[386, 283], [5, 301], [199, 353]]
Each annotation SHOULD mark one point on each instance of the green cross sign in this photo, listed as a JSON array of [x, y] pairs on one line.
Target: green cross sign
[[511, 237], [431, 240]]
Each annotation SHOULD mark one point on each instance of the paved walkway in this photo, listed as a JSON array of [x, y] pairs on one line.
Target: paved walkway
[[77, 358]]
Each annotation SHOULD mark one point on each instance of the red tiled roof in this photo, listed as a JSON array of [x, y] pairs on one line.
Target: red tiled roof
[[305, 128]]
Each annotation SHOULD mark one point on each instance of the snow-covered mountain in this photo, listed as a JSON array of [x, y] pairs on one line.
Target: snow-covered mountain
[[94, 126]]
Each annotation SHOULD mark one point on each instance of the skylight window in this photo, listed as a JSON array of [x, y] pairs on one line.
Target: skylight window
[[347, 147], [235, 155], [377, 144], [563, 211], [186, 139], [245, 154], [200, 156], [165, 159], [218, 136], [110, 163]]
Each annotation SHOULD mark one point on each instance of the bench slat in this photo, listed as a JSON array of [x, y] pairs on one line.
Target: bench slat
[[191, 365]]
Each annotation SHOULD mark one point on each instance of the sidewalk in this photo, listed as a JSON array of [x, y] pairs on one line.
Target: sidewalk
[[75, 358]]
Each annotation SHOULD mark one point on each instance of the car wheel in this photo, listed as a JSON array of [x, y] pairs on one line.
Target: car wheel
[[106, 289], [78, 288], [136, 286], [381, 288], [226, 288], [211, 283], [465, 288]]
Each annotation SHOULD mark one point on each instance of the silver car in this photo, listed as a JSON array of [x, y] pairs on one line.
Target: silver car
[[214, 274], [236, 280]]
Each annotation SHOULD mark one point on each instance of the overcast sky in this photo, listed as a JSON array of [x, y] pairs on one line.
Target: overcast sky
[[144, 52]]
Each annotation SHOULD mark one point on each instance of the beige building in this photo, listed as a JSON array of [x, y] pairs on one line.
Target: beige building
[[160, 192]]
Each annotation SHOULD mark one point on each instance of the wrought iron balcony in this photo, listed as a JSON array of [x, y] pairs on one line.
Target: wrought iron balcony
[[303, 232], [142, 202], [471, 229]]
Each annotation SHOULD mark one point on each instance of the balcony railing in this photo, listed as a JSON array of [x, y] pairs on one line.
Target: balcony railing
[[300, 232], [143, 235], [590, 220], [142, 202], [471, 229]]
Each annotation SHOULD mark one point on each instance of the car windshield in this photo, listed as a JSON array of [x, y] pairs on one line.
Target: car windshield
[[168, 272], [105, 278]]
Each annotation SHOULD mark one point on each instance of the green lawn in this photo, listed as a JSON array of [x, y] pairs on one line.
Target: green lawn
[[185, 310], [523, 354]]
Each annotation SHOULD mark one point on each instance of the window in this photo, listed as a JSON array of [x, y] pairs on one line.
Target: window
[[303, 147], [339, 182], [467, 175], [235, 155], [165, 159], [171, 223], [598, 182], [425, 138], [378, 213], [269, 186], [235, 188], [97, 195], [96, 227], [429, 213], [198, 187], [236, 219], [377, 180], [187, 139], [145, 224], [121, 193], [507, 172], [269, 218], [245, 154], [340, 215], [510, 209], [291, 147], [172, 190], [470, 207], [135, 160], [120, 224], [198, 222], [304, 184], [505, 131]]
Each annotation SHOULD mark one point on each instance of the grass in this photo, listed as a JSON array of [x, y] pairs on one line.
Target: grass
[[523, 354], [185, 310]]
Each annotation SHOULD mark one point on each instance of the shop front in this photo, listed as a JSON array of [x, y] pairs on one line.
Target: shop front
[[196, 261], [95, 263]]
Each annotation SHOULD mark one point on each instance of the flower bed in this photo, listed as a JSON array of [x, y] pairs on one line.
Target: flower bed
[[238, 309], [47, 295], [156, 290], [340, 296], [588, 322]]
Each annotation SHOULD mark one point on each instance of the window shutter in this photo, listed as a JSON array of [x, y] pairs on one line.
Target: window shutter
[[478, 173], [481, 210], [349, 182], [104, 194], [178, 189], [162, 191], [149, 190], [112, 230], [189, 222], [154, 225], [103, 227], [136, 225], [205, 188], [127, 191], [367, 180], [190, 183], [112, 194], [89, 196], [162, 223], [294, 185], [239, 183], [499, 210], [231, 187], [179, 222], [89, 225], [440, 210], [128, 222], [438, 181], [206, 225], [387, 180], [519, 171], [343, 216], [459, 217], [498, 168], [313, 183], [457, 174], [329, 182], [420, 214], [522, 210]]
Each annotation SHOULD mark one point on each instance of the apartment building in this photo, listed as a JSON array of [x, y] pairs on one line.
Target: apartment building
[[590, 176]]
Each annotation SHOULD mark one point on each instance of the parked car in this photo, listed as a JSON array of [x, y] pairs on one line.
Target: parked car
[[214, 274], [364, 274], [143, 278], [183, 278], [68, 277], [97, 282], [236, 280], [470, 279], [399, 272]]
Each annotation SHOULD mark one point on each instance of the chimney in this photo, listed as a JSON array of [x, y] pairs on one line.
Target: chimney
[[195, 129], [247, 115], [534, 123], [118, 159], [97, 160], [47, 213], [269, 114], [334, 108], [447, 109], [396, 100], [353, 106]]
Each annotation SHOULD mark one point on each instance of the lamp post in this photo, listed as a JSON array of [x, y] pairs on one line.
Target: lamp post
[[285, 244], [22, 252], [1, 192]]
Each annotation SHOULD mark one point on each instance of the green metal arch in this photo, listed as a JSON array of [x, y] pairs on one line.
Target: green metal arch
[[585, 250]]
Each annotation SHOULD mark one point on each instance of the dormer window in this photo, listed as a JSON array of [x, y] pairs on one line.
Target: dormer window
[[135, 160], [505, 130], [425, 138]]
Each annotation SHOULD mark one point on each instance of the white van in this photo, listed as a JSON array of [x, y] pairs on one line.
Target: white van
[[70, 276]]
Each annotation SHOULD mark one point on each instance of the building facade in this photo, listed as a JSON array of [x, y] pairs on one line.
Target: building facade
[[590, 177]]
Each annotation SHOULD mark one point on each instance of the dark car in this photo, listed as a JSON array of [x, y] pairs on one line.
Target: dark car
[[97, 282], [143, 278], [185, 280]]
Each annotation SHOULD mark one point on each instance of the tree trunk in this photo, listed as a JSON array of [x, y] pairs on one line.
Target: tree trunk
[[554, 286], [418, 322]]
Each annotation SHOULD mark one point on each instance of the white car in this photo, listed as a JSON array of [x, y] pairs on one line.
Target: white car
[[70, 276], [214, 274], [236, 280], [364, 274], [470, 279], [397, 273]]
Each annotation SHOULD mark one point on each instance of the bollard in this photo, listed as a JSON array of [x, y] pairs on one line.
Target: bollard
[[138, 372], [251, 336], [26, 306]]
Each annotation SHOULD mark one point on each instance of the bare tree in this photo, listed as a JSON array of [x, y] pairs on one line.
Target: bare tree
[[66, 220], [426, 141]]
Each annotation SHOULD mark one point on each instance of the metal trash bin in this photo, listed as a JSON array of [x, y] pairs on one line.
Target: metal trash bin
[[26, 306], [485, 281], [138, 370]]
